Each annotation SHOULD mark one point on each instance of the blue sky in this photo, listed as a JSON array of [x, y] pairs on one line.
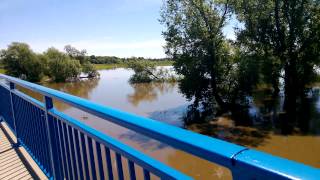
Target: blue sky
[[103, 27]]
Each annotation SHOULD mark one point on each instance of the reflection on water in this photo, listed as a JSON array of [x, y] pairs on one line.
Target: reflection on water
[[80, 88], [149, 91], [225, 128], [267, 112], [258, 126], [263, 126]]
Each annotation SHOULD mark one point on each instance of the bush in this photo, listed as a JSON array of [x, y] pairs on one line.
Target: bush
[[90, 70], [20, 61], [74, 53], [146, 71], [61, 67], [143, 71]]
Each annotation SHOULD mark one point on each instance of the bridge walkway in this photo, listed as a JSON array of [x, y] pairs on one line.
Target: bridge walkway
[[15, 162]]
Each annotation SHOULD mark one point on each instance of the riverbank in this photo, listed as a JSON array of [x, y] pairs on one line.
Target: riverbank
[[2, 71], [123, 65], [115, 65]]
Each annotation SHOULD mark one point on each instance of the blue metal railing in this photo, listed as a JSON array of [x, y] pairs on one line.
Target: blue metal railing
[[66, 148]]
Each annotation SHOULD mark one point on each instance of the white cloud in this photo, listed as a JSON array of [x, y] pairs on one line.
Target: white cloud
[[118, 45], [106, 46], [147, 48]]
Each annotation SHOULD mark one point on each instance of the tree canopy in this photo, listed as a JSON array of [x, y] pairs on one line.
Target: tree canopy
[[60, 66], [74, 53], [20, 61], [210, 65], [287, 35], [278, 40]]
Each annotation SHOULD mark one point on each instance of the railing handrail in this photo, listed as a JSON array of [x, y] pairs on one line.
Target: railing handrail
[[126, 151], [232, 156], [156, 167]]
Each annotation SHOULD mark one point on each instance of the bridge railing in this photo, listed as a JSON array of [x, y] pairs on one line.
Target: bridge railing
[[67, 148]]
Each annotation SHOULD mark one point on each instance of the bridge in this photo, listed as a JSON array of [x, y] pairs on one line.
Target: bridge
[[48, 144]]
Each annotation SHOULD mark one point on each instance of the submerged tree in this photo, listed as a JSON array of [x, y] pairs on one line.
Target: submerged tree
[[81, 56], [288, 33], [60, 66], [90, 70], [74, 53], [146, 71], [213, 69]]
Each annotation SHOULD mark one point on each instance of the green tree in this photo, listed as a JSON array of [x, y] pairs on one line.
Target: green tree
[[90, 70], [74, 53], [20, 61], [144, 71], [288, 32], [2, 51], [61, 67], [210, 65], [80, 55], [147, 71]]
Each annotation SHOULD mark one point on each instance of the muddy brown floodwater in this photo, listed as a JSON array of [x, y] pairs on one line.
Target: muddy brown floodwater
[[164, 102]]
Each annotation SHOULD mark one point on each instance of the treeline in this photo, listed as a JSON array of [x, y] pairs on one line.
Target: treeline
[[21, 61], [117, 60]]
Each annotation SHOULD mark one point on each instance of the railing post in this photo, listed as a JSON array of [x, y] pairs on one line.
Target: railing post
[[12, 88], [49, 105]]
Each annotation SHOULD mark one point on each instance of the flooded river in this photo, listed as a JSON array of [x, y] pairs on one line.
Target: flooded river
[[163, 102]]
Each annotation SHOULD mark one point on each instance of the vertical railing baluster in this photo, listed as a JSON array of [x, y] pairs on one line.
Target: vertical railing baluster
[[37, 128], [12, 88], [72, 153], [132, 172], [58, 160], [22, 118], [62, 157], [146, 174], [37, 117], [91, 155], [27, 133], [68, 166], [99, 157], [46, 146], [49, 105], [119, 166], [78, 152], [41, 127], [24, 130], [17, 116], [31, 132], [44, 137], [84, 156], [109, 163], [67, 150]]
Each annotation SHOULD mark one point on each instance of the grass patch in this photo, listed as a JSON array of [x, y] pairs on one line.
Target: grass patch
[[113, 66], [124, 65], [164, 63], [108, 66], [2, 71]]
